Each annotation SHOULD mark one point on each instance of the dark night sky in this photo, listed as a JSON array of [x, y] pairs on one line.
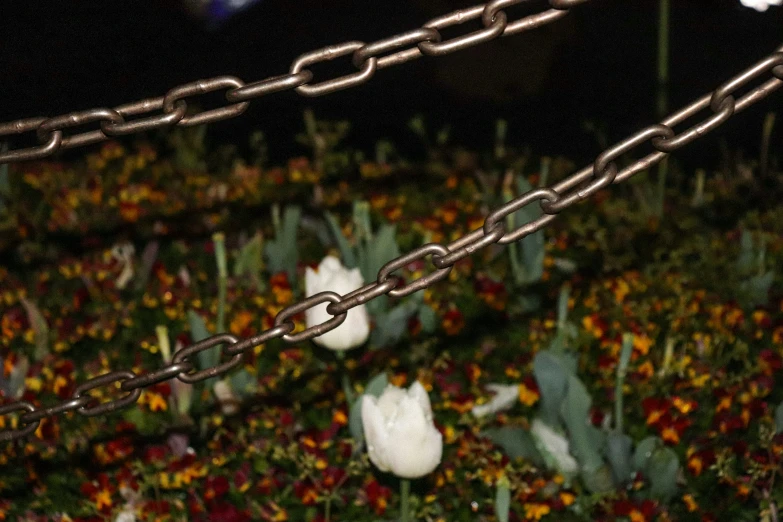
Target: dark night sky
[[597, 64]]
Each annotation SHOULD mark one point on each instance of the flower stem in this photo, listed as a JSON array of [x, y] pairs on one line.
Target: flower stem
[[220, 257], [344, 379], [405, 510]]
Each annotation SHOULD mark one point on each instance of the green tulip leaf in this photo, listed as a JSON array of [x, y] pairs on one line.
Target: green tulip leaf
[[552, 379], [516, 443], [502, 501], [619, 449], [427, 318], [377, 385], [662, 470], [644, 450], [346, 252], [575, 410], [779, 418], [199, 332], [355, 420]]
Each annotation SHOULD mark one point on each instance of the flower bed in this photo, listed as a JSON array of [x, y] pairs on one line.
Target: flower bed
[[618, 366]]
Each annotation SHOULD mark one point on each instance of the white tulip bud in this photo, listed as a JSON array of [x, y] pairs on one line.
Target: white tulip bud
[[332, 276], [505, 397], [400, 433], [761, 5], [554, 448]]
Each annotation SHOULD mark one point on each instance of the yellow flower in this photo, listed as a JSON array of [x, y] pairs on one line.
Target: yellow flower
[[33, 383], [103, 499], [536, 511], [527, 396], [646, 369], [690, 503], [642, 343], [567, 498], [156, 402]]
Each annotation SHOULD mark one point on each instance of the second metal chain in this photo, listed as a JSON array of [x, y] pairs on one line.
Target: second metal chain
[[721, 104], [172, 108]]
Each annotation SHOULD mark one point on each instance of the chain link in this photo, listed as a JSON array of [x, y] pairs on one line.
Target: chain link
[[366, 57], [552, 200]]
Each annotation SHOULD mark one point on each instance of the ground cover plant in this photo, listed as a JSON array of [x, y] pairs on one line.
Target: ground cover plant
[[621, 365]]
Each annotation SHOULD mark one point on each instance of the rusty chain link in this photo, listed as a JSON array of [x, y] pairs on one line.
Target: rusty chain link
[[722, 104]]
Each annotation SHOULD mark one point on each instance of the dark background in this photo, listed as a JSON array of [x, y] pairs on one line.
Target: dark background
[[597, 64]]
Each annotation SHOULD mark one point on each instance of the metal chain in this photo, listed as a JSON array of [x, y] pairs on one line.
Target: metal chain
[[722, 103], [367, 58]]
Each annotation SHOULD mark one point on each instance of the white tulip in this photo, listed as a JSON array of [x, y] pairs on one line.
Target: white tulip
[[506, 395], [229, 404], [761, 5], [125, 516], [401, 436], [334, 277], [554, 448]]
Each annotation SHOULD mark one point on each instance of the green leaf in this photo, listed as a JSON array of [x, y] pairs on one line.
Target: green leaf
[[281, 252], [619, 448], [575, 411], [643, 453], [427, 318], [377, 385], [562, 306], [346, 252], [198, 331], [355, 420], [552, 379], [502, 501], [662, 470], [243, 382], [40, 329], [145, 423], [779, 418], [392, 325], [516, 443], [16, 383], [378, 251], [250, 259], [625, 354], [598, 480], [530, 253]]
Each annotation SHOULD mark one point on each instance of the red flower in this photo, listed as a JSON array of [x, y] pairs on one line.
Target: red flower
[[636, 512], [654, 409], [215, 488], [306, 491], [453, 321], [225, 512], [377, 496]]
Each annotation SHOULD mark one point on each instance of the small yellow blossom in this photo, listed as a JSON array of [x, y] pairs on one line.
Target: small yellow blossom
[[536, 511]]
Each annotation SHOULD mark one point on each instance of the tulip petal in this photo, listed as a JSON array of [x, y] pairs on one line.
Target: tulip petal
[[389, 401], [330, 265], [375, 433], [333, 277], [311, 282], [416, 446], [418, 393]]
